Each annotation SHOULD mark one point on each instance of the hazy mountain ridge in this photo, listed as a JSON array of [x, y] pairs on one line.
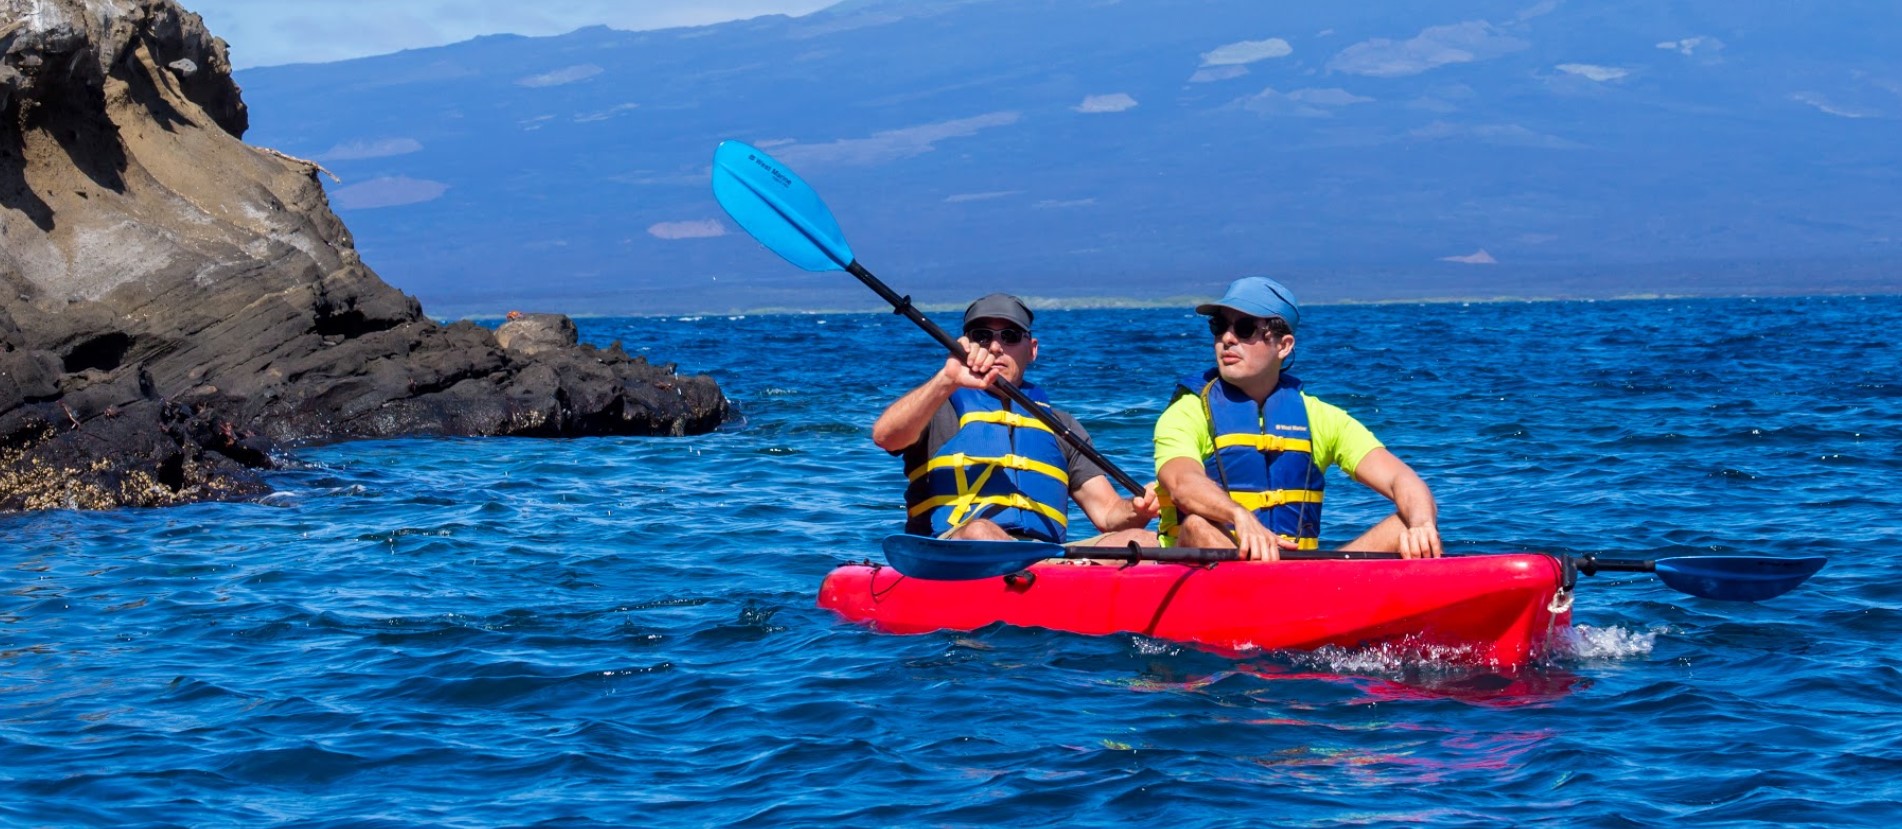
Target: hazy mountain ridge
[[1076, 147]]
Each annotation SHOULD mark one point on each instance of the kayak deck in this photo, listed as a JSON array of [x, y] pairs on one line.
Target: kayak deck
[[1496, 609]]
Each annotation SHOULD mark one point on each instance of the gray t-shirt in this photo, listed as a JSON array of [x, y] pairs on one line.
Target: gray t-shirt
[[944, 425]]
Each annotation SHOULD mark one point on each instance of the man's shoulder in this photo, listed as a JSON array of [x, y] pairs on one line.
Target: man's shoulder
[[1069, 421], [938, 431], [1317, 404], [1318, 407], [1182, 426], [1328, 420]]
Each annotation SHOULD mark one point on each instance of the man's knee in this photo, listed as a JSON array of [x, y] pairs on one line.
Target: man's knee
[[1124, 538], [979, 529], [1197, 531]]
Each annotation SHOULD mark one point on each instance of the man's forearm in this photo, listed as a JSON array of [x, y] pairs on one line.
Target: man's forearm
[[1194, 494], [1413, 501]]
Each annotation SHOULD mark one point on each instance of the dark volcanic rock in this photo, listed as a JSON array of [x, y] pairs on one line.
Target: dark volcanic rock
[[535, 333], [175, 303]]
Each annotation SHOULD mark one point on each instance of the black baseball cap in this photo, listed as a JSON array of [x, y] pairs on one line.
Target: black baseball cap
[[1000, 307]]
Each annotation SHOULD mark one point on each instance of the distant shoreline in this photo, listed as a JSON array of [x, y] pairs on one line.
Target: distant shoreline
[[1041, 303]]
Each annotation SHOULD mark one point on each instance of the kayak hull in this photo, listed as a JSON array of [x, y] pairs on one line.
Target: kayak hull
[[1500, 610]]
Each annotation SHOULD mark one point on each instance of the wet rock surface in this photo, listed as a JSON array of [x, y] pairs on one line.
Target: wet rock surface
[[178, 307]]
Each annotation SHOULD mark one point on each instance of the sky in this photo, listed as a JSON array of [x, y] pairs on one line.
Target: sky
[[271, 32]]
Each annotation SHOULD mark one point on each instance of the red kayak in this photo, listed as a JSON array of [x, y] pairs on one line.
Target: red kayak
[[1499, 610]]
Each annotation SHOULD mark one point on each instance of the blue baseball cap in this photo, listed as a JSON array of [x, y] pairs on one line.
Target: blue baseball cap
[[1257, 296]]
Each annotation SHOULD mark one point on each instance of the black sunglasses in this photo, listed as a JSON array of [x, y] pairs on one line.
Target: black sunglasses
[[1245, 328], [982, 336]]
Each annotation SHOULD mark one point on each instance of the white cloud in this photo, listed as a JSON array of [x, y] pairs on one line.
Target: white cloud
[[308, 31], [1247, 51], [1693, 45], [650, 178], [1504, 135], [1106, 103], [1823, 104], [388, 191], [1434, 47], [1593, 73], [700, 229], [1478, 257], [1217, 73], [1331, 96], [357, 150], [892, 145], [1540, 9], [564, 75], [957, 198], [605, 114], [1301, 103]]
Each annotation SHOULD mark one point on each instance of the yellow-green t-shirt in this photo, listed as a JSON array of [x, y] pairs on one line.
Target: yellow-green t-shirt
[[1338, 439]]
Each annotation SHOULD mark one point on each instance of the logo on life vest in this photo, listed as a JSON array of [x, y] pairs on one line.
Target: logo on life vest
[[1287, 427]]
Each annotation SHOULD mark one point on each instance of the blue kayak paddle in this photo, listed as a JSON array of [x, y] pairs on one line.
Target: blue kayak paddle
[[786, 215], [1731, 578]]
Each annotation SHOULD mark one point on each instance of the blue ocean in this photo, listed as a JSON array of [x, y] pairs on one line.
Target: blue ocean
[[622, 631]]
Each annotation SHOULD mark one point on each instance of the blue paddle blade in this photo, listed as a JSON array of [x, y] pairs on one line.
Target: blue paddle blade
[[1737, 578], [778, 208], [939, 559]]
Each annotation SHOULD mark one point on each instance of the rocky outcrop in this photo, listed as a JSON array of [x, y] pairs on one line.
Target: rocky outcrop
[[535, 333], [176, 304]]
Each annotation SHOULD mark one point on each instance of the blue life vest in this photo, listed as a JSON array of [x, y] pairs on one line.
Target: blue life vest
[[1003, 465], [1264, 456]]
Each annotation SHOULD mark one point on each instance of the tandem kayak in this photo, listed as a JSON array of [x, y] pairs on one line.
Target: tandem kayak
[[1499, 610]]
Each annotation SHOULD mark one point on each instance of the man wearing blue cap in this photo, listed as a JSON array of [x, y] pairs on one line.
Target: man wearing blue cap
[[1242, 450], [980, 467]]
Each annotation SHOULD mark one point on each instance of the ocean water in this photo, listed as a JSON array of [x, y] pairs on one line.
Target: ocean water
[[622, 631]]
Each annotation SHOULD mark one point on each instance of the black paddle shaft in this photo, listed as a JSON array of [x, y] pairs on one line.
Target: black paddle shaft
[[1213, 555], [902, 306]]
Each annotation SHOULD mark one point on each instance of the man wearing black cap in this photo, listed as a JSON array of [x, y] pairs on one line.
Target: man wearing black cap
[[979, 466], [1242, 452]]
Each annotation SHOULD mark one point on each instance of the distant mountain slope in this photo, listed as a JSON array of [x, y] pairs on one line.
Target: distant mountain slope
[[1144, 148]]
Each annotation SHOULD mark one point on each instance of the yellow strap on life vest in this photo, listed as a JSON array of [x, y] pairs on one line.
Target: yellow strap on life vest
[[1255, 500], [1170, 523], [1011, 419], [967, 492], [1266, 499], [959, 460], [1302, 543], [1265, 443], [1014, 500]]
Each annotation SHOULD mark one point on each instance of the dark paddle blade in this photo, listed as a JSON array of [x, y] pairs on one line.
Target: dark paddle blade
[[1737, 578], [778, 208], [941, 559]]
